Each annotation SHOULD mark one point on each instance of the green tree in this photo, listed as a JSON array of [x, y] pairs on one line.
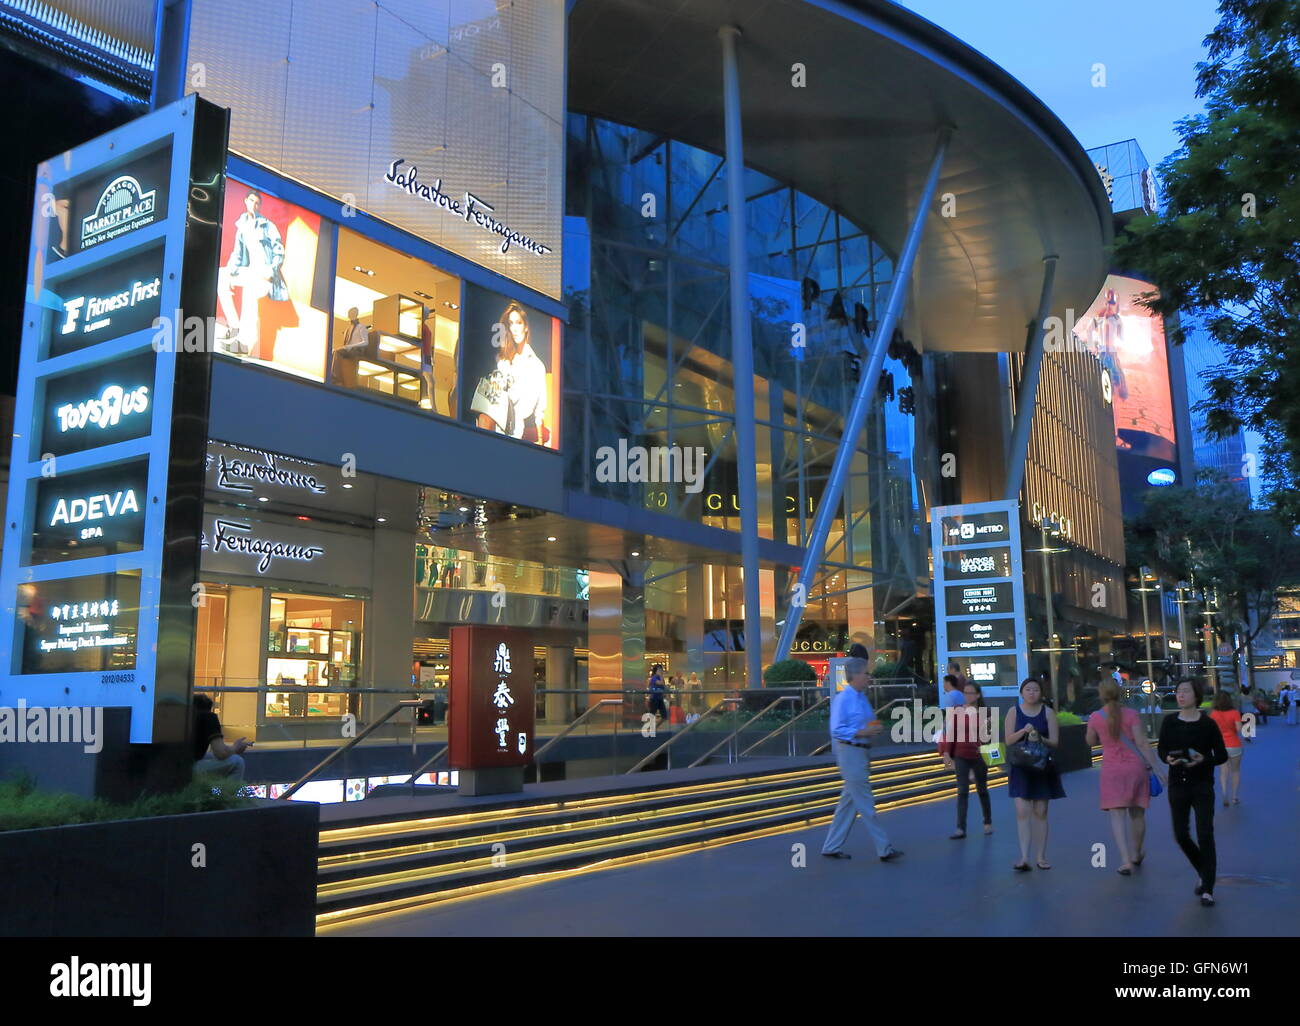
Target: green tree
[[1210, 536], [1226, 251]]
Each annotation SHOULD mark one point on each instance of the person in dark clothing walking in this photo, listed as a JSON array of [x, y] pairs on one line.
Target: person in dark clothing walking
[[1191, 744], [960, 749]]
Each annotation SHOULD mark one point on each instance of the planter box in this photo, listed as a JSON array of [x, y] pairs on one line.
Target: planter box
[[136, 878], [1073, 753]]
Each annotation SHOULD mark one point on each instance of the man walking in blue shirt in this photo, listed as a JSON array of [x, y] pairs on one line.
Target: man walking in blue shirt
[[852, 723]]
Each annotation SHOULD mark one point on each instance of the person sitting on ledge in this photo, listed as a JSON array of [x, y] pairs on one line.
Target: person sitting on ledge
[[211, 753]]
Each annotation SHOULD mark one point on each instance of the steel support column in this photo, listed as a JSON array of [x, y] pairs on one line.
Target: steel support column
[[742, 358], [1027, 394], [171, 49], [868, 388]]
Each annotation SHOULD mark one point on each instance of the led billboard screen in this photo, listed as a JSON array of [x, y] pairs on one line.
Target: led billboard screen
[[1130, 342]]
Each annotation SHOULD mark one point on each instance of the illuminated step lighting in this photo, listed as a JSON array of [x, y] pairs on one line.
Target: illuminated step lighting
[[414, 874], [828, 778], [382, 910]]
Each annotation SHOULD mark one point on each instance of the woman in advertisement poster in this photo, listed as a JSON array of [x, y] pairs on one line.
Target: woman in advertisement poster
[[512, 400]]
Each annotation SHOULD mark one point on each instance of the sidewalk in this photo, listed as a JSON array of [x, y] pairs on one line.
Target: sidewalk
[[958, 888]]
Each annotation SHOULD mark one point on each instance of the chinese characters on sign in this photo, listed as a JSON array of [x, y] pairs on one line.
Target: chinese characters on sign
[[492, 700]]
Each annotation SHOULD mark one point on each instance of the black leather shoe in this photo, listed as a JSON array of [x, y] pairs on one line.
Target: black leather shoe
[[836, 855], [892, 854]]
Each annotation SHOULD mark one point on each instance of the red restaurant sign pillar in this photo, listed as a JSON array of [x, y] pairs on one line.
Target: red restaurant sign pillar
[[492, 712]]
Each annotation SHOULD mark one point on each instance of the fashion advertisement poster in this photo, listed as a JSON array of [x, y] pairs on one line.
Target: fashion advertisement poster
[[272, 291], [1130, 343], [511, 369]]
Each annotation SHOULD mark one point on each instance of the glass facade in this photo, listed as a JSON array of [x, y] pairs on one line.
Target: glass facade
[[649, 351]]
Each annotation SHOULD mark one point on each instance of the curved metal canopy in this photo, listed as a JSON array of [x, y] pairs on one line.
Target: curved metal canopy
[[859, 136]]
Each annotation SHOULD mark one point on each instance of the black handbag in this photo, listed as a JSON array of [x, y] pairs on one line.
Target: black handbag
[[1030, 755]]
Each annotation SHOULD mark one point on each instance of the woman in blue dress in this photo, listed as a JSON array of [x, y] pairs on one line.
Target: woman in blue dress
[[1031, 789]]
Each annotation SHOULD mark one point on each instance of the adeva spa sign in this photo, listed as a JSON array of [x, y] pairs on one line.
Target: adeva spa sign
[[470, 208]]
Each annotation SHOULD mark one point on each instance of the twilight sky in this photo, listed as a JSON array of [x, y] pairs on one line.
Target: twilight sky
[[1150, 49]]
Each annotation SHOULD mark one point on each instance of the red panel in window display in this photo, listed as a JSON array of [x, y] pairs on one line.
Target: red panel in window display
[[492, 714], [271, 290]]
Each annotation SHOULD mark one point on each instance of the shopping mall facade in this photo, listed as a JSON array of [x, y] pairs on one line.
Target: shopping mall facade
[[472, 308]]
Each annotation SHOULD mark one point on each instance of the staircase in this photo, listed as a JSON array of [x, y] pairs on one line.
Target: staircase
[[377, 865]]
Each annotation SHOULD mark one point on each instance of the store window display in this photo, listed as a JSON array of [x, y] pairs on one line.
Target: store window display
[[312, 641], [396, 325]]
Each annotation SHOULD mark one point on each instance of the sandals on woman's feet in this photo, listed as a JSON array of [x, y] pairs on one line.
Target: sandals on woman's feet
[[1125, 870], [1043, 865], [1021, 867]]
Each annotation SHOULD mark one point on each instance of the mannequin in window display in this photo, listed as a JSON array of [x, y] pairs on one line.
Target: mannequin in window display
[[255, 267], [512, 399], [426, 358], [353, 344], [448, 568]]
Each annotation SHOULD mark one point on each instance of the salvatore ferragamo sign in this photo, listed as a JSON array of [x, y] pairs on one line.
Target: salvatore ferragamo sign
[[470, 208]]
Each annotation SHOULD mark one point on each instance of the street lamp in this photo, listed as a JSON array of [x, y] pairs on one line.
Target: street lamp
[[1049, 528], [1143, 574]]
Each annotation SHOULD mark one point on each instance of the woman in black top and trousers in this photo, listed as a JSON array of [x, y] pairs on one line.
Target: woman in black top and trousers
[[1192, 745]]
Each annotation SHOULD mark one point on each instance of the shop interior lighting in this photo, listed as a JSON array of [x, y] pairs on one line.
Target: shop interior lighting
[[363, 270], [263, 498]]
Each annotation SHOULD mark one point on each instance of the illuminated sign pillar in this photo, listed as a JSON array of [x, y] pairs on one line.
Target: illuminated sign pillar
[[491, 712], [979, 602], [97, 600]]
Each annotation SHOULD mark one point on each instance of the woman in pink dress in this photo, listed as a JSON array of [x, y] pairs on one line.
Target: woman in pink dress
[[1127, 760]]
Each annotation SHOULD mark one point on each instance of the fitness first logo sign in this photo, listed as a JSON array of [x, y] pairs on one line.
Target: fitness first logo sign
[[123, 206]]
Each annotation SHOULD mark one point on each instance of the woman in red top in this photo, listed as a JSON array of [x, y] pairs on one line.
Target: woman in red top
[[1228, 720], [960, 749]]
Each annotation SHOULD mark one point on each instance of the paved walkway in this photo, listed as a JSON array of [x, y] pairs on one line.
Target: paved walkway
[[941, 886]]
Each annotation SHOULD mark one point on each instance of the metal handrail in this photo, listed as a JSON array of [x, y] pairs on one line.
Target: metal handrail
[[351, 742], [783, 726], [569, 729], [822, 748], [682, 733], [428, 763], [727, 740]]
